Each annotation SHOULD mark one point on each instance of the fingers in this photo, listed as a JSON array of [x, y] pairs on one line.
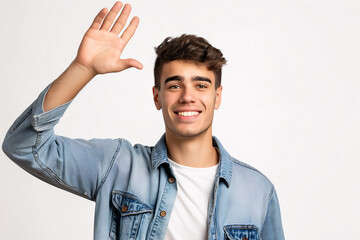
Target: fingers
[[105, 24], [121, 21], [108, 21], [98, 19], [130, 30]]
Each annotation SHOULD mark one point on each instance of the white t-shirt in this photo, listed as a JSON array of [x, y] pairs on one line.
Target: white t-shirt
[[188, 218]]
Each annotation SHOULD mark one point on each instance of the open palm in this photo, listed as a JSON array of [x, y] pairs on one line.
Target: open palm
[[101, 47]]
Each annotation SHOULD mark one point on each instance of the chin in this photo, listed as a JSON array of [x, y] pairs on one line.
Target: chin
[[190, 133]]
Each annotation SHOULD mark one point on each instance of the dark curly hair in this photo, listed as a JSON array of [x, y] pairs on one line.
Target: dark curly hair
[[188, 47]]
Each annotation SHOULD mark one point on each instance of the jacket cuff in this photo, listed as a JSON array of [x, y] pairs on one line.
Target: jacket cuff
[[42, 120]]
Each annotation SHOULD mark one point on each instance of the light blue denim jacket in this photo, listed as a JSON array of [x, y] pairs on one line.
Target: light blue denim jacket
[[132, 185]]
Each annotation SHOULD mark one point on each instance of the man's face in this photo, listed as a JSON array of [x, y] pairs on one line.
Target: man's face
[[187, 97]]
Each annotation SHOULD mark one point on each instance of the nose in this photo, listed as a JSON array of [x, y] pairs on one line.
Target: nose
[[187, 95]]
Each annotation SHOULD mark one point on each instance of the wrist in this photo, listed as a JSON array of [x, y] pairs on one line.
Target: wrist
[[84, 72]]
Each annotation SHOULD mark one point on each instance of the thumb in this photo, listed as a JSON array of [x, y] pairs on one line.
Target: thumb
[[128, 63]]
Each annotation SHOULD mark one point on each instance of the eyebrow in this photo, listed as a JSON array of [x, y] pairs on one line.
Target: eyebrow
[[203, 79], [180, 78]]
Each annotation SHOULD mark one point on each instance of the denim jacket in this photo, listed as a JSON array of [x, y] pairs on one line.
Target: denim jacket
[[134, 187]]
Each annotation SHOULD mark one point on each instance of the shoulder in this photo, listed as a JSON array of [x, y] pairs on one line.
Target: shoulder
[[126, 147], [130, 158], [117, 149], [243, 172], [246, 167], [243, 176]]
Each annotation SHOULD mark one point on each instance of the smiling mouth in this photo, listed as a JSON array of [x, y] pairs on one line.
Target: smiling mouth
[[188, 114]]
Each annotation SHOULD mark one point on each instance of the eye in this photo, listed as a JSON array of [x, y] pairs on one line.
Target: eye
[[201, 86], [174, 86]]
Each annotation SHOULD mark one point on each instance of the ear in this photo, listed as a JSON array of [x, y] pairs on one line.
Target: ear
[[218, 97], [156, 98]]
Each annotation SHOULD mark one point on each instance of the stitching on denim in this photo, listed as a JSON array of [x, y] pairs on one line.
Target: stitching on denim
[[138, 227], [157, 221], [21, 121], [213, 212], [215, 209], [111, 227], [271, 194], [241, 226], [51, 173], [109, 168], [215, 219]]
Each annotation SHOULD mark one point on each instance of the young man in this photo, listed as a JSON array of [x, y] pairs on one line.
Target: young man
[[185, 187]]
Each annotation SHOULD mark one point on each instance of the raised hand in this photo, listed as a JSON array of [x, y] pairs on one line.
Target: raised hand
[[99, 52], [101, 47]]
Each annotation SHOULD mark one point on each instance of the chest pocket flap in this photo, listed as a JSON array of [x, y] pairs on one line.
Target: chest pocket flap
[[241, 232], [129, 204]]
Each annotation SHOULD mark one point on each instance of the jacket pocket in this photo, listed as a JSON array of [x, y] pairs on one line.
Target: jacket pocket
[[241, 232], [128, 211]]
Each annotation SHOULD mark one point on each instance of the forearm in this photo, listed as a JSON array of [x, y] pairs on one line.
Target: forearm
[[67, 85], [75, 165]]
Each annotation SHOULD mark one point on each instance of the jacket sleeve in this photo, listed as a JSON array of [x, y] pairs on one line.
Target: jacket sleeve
[[75, 165], [272, 228]]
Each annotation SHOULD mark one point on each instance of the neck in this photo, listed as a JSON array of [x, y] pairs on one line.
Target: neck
[[196, 151]]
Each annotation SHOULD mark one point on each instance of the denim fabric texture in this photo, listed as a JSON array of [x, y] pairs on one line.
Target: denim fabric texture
[[130, 184]]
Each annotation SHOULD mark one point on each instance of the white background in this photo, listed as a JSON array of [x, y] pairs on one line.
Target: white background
[[291, 105]]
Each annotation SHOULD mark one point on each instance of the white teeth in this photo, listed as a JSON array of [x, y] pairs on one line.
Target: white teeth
[[186, 114]]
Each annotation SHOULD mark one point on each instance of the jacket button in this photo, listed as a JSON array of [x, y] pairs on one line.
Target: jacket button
[[162, 213], [171, 180], [124, 209]]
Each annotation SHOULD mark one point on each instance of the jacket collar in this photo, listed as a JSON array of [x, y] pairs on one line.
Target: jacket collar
[[159, 157]]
